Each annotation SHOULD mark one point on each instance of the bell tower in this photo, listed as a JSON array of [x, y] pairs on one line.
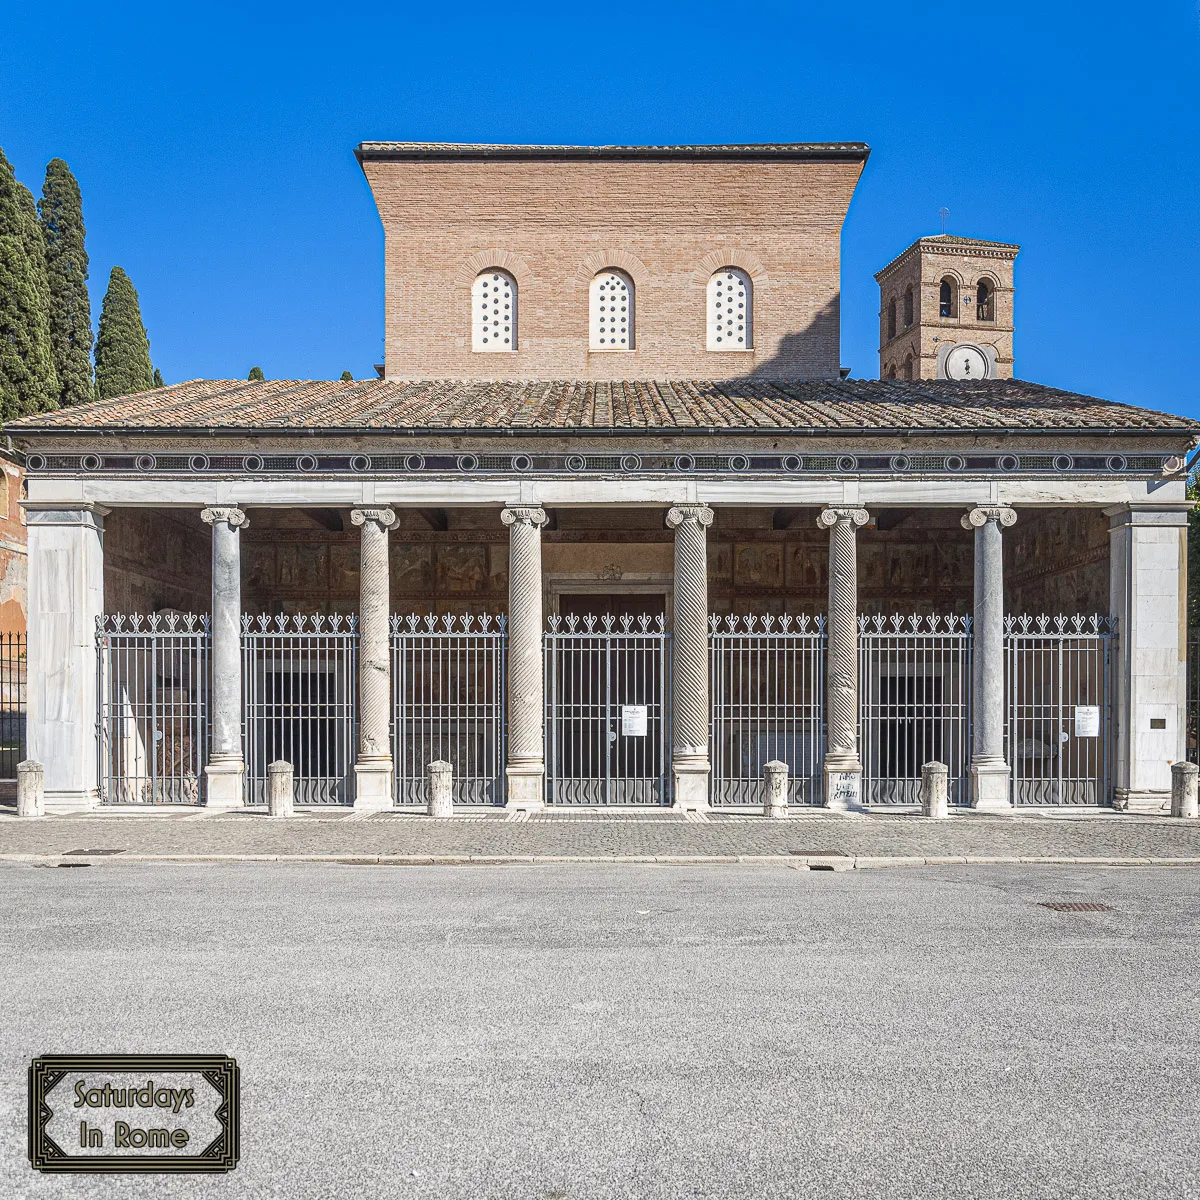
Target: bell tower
[[946, 310]]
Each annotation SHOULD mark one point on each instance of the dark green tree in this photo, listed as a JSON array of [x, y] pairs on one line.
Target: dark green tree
[[256, 375], [347, 377], [28, 382], [158, 379], [122, 348], [61, 212]]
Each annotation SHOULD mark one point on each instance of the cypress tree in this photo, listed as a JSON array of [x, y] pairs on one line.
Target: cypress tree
[[347, 377], [122, 348], [158, 379], [61, 211], [255, 376], [28, 382]]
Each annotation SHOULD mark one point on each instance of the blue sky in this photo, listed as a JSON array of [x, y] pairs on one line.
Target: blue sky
[[214, 147]]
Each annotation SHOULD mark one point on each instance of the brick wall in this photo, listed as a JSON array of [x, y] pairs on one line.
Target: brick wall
[[669, 225]]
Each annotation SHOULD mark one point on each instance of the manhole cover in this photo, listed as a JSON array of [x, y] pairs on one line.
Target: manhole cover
[[1076, 905], [92, 852]]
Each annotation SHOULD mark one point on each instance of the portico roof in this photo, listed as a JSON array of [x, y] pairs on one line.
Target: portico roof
[[578, 407]]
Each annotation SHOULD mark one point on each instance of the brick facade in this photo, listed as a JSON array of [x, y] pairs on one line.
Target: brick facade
[[553, 223]]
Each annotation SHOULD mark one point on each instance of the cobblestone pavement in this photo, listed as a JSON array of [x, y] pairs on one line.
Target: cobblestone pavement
[[602, 835]]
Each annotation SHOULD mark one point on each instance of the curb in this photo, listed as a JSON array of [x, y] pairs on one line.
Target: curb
[[835, 862]]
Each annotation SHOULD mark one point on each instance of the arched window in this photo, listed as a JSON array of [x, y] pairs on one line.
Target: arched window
[[891, 318], [908, 367], [891, 371], [908, 307], [730, 310], [946, 298], [611, 326], [985, 301], [494, 312]]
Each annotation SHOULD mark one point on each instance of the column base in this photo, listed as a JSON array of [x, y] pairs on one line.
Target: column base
[[843, 787], [374, 786], [690, 785], [526, 788], [57, 804], [990, 787], [1124, 800], [225, 784]]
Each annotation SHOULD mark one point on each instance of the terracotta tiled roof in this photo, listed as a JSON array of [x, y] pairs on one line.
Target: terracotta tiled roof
[[696, 406], [756, 150]]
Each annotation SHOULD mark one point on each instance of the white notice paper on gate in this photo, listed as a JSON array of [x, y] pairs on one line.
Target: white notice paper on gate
[[1087, 720], [633, 720]]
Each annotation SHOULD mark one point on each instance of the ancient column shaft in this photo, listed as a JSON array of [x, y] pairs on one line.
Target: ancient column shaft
[[526, 704], [843, 770], [690, 700], [374, 769], [989, 771], [226, 767]]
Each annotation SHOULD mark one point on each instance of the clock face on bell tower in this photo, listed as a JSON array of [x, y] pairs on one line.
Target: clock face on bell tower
[[946, 310]]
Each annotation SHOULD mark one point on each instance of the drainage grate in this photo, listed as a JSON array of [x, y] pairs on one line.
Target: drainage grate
[[1076, 905], [92, 852]]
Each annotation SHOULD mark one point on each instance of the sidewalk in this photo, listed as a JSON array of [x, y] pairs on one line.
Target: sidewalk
[[877, 839]]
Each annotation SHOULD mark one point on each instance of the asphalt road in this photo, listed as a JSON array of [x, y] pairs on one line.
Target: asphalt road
[[631, 1031]]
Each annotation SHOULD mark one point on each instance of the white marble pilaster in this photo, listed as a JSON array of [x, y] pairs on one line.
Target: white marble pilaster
[[65, 598], [1148, 597]]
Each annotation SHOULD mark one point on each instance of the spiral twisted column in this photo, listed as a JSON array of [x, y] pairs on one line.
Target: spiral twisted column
[[526, 703], [226, 768], [843, 770], [689, 712], [374, 769], [989, 770]]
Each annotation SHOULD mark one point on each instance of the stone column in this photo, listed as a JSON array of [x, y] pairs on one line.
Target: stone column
[[65, 597], [226, 768], [689, 696], [374, 772], [1148, 597], [843, 770], [989, 770], [526, 701]]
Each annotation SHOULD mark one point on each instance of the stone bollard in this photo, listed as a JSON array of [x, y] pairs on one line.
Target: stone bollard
[[1183, 789], [935, 802], [441, 789], [280, 792], [31, 789], [775, 776]]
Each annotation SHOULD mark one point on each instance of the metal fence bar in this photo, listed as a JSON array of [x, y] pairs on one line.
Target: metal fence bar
[[300, 689], [767, 689], [608, 712], [152, 707], [914, 704], [1059, 731], [449, 695], [13, 647]]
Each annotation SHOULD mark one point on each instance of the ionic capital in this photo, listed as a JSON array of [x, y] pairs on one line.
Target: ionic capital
[[977, 518], [700, 513], [522, 515], [233, 517], [381, 516], [828, 517]]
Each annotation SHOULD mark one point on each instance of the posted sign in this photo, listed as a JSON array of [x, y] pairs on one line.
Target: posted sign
[[1087, 720], [633, 720]]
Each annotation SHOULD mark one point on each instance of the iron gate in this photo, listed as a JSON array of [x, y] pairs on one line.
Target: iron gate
[[1193, 695], [914, 685], [767, 693], [300, 684], [1059, 707], [153, 678], [13, 681], [608, 687], [448, 686]]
